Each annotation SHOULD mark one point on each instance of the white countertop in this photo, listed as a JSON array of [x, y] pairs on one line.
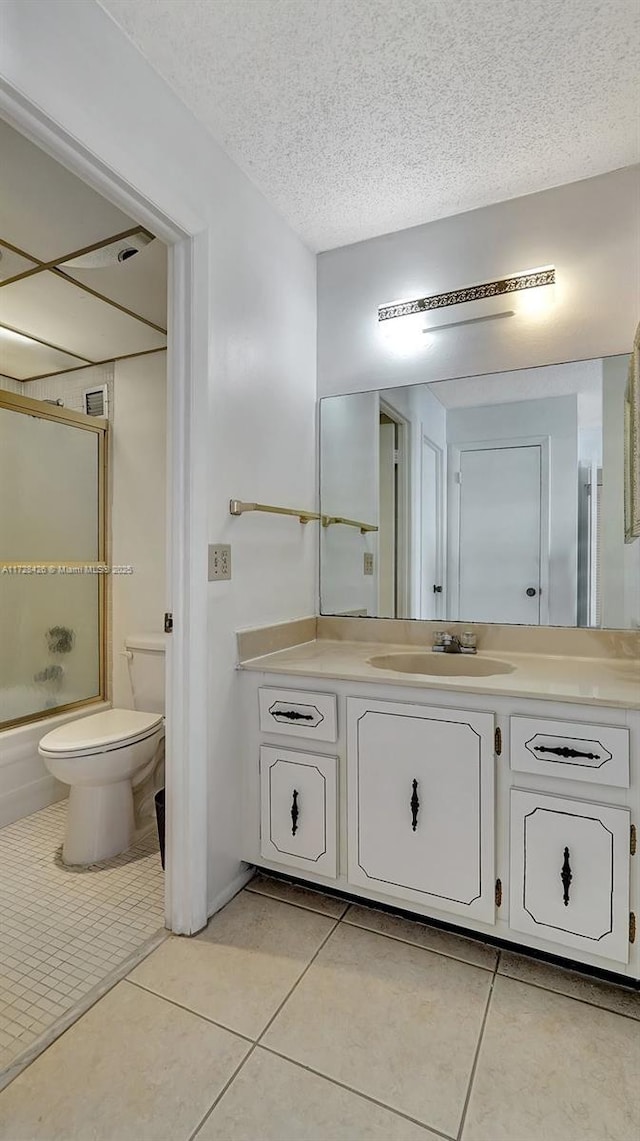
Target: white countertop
[[590, 681]]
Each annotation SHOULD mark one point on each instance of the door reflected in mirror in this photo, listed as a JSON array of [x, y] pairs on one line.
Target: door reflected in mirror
[[496, 498]]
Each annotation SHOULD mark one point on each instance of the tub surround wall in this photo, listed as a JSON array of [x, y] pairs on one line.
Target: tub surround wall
[[66, 386], [25, 784]]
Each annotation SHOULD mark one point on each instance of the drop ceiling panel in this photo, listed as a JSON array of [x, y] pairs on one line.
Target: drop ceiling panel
[[140, 283], [22, 359], [51, 309], [12, 264], [46, 211]]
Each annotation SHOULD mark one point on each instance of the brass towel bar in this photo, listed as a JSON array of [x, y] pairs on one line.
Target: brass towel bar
[[327, 520], [237, 507]]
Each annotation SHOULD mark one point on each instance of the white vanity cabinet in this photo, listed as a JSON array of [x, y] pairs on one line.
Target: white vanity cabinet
[[420, 804], [512, 817]]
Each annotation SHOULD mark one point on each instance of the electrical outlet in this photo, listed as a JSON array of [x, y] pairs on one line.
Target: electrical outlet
[[368, 563], [219, 562]]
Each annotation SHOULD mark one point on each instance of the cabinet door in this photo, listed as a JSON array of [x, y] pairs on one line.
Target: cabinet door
[[570, 873], [298, 809], [420, 804]]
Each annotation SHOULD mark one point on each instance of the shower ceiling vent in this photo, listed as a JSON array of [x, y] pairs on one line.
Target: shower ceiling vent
[[96, 401], [114, 253]]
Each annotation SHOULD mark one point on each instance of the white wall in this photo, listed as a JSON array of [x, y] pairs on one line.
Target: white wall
[[138, 511], [556, 419], [73, 61], [619, 561], [589, 230], [349, 434]]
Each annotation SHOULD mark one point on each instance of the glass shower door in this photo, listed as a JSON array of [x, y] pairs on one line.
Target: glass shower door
[[52, 582]]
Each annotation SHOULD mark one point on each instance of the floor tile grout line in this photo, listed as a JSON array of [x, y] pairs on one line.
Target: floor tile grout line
[[190, 1010], [385, 934], [296, 903], [358, 1092], [409, 943], [476, 1056], [223, 1091], [298, 981], [573, 997], [447, 955], [255, 1043]]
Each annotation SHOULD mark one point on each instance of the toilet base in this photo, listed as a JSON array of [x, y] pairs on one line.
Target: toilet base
[[100, 822]]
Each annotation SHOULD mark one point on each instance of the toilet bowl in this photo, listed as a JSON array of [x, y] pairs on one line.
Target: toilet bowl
[[102, 757]]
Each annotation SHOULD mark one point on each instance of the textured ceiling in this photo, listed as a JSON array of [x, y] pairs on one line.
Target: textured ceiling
[[358, 117]]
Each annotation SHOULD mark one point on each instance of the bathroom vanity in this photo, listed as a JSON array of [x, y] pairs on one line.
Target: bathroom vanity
[[505, 803], [499, 792]]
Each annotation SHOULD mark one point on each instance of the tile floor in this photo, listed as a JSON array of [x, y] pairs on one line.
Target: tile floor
[[65, 930], [295, 1017]]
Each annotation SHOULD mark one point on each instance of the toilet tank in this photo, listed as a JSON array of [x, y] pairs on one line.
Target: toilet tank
[[145, 653]]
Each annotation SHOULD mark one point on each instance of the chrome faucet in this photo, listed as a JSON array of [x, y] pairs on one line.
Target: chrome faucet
[[445, 643], [451, 644]]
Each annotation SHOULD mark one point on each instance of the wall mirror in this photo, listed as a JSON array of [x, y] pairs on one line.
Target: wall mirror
[[494, 498]]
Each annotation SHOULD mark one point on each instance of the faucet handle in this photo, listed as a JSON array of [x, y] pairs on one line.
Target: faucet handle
[[468, 641]]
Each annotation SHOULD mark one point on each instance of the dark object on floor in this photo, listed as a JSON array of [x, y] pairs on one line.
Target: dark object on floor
[[159, 799]]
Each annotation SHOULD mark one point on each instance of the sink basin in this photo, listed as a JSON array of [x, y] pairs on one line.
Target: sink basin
[[441, 665]]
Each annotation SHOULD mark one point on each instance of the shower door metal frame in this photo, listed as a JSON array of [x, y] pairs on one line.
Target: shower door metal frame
[[15, 402]]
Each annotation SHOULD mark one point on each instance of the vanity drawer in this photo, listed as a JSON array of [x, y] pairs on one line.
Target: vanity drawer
[[298, 713], [570, 750], [298, 800]]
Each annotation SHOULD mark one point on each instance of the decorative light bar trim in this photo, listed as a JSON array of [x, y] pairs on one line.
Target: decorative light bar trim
[[513, 284]]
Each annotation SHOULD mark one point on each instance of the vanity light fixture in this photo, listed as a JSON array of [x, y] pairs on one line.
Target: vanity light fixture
[[489, 296]]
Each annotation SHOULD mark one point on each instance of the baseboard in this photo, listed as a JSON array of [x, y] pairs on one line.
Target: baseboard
[[236, 885]]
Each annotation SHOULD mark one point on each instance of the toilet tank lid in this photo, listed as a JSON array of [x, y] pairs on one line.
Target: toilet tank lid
[[153, 641], [100, 729]]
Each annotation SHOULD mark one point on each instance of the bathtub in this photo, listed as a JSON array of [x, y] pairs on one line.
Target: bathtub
[[25, 784]]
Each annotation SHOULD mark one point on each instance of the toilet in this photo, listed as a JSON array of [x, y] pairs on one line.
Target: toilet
[[106, 756]]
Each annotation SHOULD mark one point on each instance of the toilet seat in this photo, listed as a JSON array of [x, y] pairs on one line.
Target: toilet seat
[[100, 733]]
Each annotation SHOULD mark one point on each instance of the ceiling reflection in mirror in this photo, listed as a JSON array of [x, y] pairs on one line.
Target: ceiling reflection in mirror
[[495, 498]]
